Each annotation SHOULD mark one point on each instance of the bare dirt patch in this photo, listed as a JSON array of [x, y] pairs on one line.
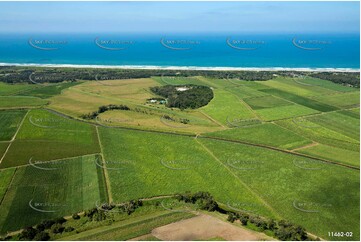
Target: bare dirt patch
[[204, 227]]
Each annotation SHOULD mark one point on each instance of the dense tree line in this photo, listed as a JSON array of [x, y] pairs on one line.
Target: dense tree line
[[11, 74], [43, 230], [282, 229], [345, 78], [103, 109], [204, 200], [194, 97], [127, 207]]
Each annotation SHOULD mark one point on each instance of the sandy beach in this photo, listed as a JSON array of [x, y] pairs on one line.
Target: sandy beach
[[146, 67]]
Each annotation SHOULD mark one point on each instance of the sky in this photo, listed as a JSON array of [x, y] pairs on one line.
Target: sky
[[173, 17]]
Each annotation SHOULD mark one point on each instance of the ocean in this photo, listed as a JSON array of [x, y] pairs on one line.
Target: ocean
[[184, 50]]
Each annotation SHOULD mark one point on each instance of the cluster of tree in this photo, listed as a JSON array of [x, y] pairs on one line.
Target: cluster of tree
[[100, 213], [168, 117], [103, 109], [139, 110], [345, 78], [203, 200], [131, 206], [182, 120], [282, 229], [41, 231], [95, 214], [193, 97]]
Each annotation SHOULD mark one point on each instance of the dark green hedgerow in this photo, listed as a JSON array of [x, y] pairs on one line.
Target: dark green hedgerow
[[282, 229], [103, 109]]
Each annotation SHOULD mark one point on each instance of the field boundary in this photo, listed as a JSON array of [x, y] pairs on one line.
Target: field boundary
[[13, 138], [55, 160], [214, 138], [213, 120], [306, 146], [237, 178], [250, 109], [281, 150], [105, 171], [8, 186]]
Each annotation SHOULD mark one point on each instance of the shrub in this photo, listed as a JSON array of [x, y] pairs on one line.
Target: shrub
[[129, 207], [103, 109], [57, 228], [244, 220], [48, 223], [231, 217], [272, 224], [40, 227], [42, 236], [60, 220], [288, 231], [28, 233], [68, 229], [75, 216]]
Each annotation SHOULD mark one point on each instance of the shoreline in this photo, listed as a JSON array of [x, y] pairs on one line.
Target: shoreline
[[198, 68]]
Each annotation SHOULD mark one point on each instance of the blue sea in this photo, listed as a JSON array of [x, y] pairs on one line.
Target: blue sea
[[184, 50]]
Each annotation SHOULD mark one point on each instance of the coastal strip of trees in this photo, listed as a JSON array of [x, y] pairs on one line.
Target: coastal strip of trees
[[11, 74], [17, 74]]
